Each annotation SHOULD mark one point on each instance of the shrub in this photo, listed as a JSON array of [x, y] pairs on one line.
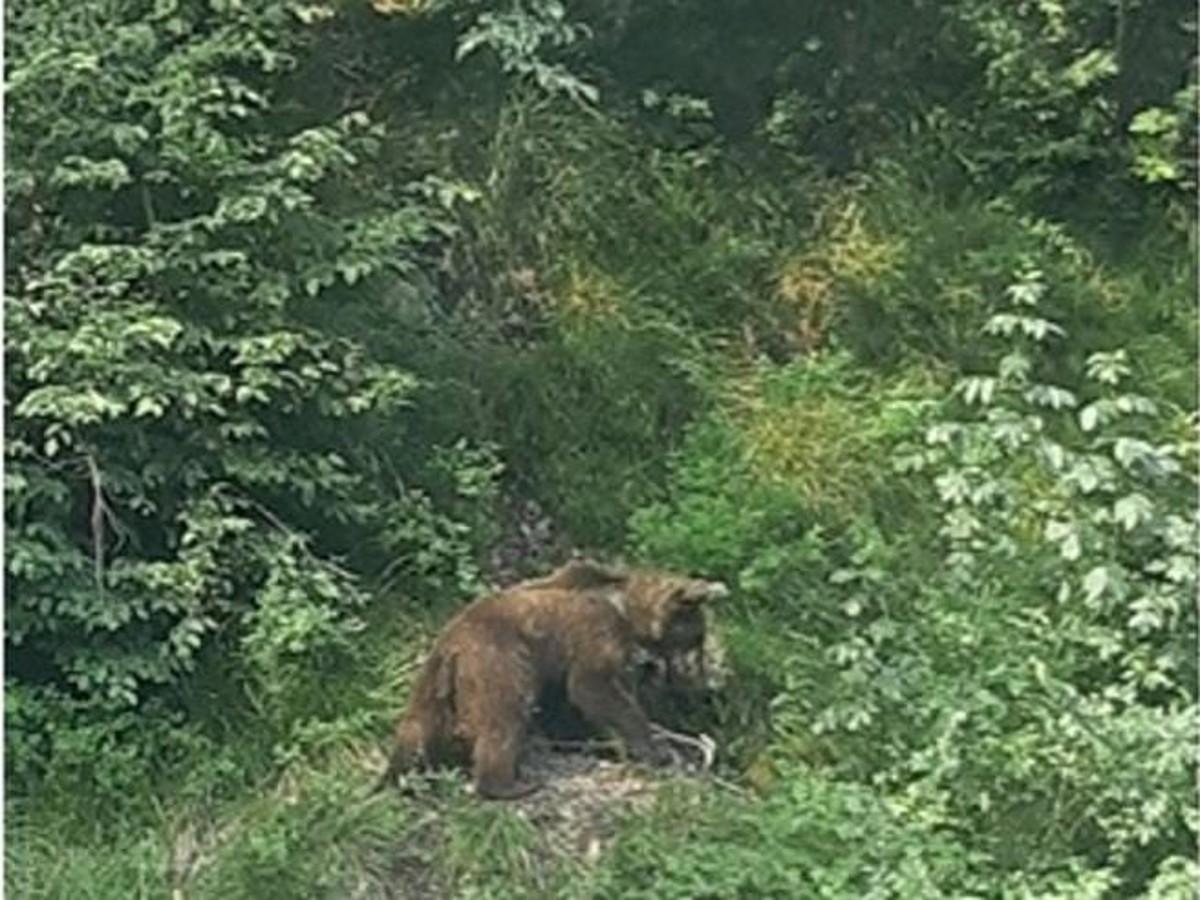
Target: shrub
[[1013, 656], [173, 236]]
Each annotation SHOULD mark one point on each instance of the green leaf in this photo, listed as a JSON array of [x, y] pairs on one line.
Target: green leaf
[[79, 172], [1054, 454], [149, 407], [1039, 329], [1050, 396], [1132, 510], [978, 389], [1002, 324], [953, 487], [1108, 368], [1095, 65], [1015, 366], [1028, 290], [1095, 583], [1153, 121], [1066, 535], [1131, 451]]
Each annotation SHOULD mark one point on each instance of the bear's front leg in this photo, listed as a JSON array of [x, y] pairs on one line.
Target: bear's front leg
[[606, 703]]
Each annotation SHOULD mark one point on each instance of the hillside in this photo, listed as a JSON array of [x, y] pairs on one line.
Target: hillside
[[323, 317]]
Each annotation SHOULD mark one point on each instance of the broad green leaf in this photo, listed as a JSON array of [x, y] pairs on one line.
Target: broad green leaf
[[1132, 510], [1095, 583]]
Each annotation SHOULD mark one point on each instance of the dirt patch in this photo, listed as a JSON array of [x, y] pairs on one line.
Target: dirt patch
[[584, 795], [576, 812]]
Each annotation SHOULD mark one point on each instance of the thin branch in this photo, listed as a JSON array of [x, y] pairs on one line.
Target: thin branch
[[301, 538], [728, 785], [577, 746], [148, 206], [99, 511], [118, 528], [702, 743], [55, 465]]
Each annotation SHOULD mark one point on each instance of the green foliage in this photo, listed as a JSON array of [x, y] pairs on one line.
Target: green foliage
[[431, 531], [506, 841], [587, 424], [166, 239], [1070, 523], [882, 313], [793, 842], [1015, 659], [896, 273], [791, 451], [87, 752], [1160, 138], [39, 866], [520, 38], [316, 839], [1046, 73]]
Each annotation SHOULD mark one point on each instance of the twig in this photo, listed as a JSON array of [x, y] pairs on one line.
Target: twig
[[579, 745], [706, 746], [54, 465], [728, 785], [148, 206], [119, 530], [702, 744], [300, 537], [98, 513]]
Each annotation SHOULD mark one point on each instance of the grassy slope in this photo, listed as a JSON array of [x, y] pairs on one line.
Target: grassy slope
[[265, 799]]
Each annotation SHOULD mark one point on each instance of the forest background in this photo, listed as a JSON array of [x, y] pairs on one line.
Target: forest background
[[322, 316]]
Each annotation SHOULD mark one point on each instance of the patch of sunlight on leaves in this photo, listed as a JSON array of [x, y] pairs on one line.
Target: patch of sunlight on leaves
[[854, 251], [816, 446], [590, 296]]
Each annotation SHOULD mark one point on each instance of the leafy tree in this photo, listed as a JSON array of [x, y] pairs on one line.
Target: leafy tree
[[175, 420], [880, 312]]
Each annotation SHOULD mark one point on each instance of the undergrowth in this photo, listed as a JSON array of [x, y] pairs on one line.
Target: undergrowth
[[304, 302]]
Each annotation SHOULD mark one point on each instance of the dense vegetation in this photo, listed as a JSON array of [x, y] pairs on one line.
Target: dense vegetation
[[882, 312]]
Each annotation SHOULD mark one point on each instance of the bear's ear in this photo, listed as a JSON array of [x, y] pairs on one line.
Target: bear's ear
[[693, 593], [716, 590]]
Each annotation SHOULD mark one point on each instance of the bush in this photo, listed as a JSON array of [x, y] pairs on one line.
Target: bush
[[1011, 657], [807, 837], [305, 299]]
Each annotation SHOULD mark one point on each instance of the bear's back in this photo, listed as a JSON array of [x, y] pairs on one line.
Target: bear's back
[[557, 626]]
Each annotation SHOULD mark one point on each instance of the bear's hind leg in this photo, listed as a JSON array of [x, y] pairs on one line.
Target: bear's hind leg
[[494, 764], [496, 690]]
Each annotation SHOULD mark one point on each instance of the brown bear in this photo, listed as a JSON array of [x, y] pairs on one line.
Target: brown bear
[[576, 633]]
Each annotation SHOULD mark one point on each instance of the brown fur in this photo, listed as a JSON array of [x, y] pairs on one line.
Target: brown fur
[[574, 632]]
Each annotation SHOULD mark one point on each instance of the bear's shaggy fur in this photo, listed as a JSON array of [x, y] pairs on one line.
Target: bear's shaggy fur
[[573, 634]]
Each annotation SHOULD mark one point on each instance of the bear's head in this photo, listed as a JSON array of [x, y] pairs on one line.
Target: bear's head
[[666, 610]]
